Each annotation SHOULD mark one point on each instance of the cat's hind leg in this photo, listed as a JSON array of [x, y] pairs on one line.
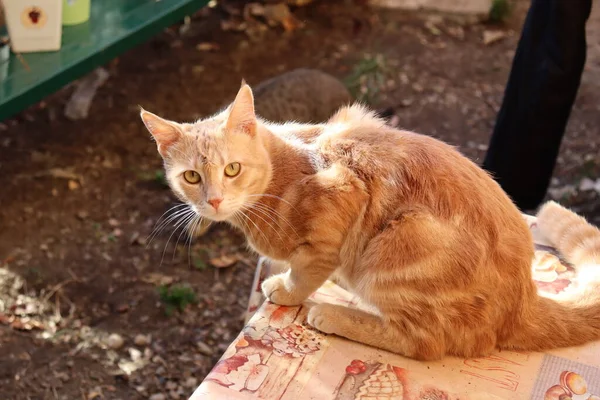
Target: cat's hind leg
[[370, 329], [419, 273]]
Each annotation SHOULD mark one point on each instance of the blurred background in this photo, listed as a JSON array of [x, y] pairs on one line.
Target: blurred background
[[90, 308]]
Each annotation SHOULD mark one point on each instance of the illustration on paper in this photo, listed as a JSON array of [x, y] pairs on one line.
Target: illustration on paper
[[267, 355], [572, 386], [33, 17], [551, 274], [382, 381], [563, 379]]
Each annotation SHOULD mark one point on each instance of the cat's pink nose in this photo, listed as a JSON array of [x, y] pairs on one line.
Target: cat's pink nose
[[215, 203]]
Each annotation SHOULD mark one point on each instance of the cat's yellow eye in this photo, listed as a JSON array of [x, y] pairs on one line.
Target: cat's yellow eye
[[191, 177], [233, 169]]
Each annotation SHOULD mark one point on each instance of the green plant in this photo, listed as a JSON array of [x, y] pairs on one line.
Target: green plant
[[157, 175], [500, 10], [160, 177], [176, 297], [199, 263], [367, 79]]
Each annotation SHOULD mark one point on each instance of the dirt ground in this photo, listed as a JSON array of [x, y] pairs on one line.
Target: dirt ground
[[79, 198]]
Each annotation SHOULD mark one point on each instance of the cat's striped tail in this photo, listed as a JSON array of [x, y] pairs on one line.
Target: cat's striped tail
[[574, 318], [576, 239]]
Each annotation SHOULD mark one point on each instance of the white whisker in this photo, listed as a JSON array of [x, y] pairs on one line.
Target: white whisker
[[164, 216], [275, 197], [181, 221], [159, 227], [257, 228], [265, 221], [183, 230], [195, 222], [266, 208]]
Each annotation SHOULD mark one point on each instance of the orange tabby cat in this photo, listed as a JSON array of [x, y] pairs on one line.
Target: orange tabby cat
[[405, 221]]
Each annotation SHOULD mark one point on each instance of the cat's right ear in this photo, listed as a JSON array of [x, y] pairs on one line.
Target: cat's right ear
[[241, 113], [165, 132]]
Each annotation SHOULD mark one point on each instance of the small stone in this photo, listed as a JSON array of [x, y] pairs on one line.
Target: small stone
[[140, 389], [218, 287], [113, 222], [158, 359], [63, 376], [157, 396], [136, 239], [82, 215], [95, 393], [142, 340], [560, 192], [191, 382], [170, 385], [587, 184], [115, 341], [406, 102], [148, 353], [417, 87], [204, 348], [457, 32]]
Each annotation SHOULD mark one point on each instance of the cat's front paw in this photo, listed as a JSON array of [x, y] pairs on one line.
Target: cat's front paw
[[322, 317], [275, 290]]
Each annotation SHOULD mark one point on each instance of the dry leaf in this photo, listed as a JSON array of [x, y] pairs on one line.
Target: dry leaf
[[274, 14], [73, 185], [290, 23], [223, 261], [26, 324], [232, 25], [299, 3], [94, 395], [490, 37], [62, 173], [5, 319], [207, 46]]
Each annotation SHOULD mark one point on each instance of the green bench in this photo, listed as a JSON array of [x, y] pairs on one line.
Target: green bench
[[114, 27]]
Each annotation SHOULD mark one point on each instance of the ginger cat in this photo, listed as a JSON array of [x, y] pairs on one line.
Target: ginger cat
[[301, 95], [405, 221]]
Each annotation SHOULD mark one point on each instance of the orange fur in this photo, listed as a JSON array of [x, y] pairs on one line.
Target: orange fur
[[405, 221]]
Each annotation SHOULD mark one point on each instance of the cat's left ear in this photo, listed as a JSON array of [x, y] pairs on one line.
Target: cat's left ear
[[241, 115], [166, 133]]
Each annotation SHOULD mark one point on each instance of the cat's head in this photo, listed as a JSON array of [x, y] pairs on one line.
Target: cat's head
[[218, 165]]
